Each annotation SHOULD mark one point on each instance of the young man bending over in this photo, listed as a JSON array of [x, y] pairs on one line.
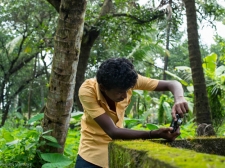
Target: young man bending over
[[105, 100]]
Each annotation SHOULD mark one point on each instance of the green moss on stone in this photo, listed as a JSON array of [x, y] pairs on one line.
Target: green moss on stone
[[147, 154], [210, 145]]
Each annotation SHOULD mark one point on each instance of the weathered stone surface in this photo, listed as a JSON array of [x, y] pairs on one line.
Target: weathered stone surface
[[148, 154], [204, 145]]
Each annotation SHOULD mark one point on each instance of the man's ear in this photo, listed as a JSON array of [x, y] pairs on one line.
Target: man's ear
[[101, 87]]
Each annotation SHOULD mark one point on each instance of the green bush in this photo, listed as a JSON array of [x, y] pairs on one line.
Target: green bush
[[19, 145]]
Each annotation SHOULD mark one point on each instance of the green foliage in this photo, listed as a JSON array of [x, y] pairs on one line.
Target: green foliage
[[161, 110], [209, 65], [72, 144], [219, 49], [35, 118], [212, 9], [145, 109], [221, 130], [216, 89], [148, 116], [129, 30], [20, 146], [188, 130], [164, 110], [76, 115], [215, 80], [129, 123], [55, 159], [31, 25], [152, 126], [183, 82], [27, 27]]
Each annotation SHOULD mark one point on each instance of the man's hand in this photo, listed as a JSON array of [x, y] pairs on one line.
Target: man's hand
[[107, 124], [180, 107], [165, 133]]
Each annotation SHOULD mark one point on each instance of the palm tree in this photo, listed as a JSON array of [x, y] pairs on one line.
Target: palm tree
[[201, 103]]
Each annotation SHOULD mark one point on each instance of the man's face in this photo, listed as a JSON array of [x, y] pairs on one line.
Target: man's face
[[115, 95]]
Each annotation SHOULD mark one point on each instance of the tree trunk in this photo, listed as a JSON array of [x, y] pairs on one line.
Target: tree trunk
[[31, 89], [5, 112], [19, 110], [62, 81], [4, 101], [201, 103], [29, 101], [166, 57], [87, 43]]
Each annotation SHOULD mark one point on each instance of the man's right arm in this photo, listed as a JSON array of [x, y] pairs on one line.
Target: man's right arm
[[90, 104], [106, 123]]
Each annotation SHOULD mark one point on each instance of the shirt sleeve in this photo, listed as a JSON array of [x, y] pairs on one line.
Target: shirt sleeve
[[144, 83], [89, 102]]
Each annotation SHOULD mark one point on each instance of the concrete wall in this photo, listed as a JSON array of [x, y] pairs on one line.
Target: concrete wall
[[162, 154]]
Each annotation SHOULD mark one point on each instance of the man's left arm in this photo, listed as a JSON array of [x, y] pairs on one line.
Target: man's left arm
[[180, 105]]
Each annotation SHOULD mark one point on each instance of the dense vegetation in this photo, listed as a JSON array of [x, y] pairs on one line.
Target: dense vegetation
[[129, 30]]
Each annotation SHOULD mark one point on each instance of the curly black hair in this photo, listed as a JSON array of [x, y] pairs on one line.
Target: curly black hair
[[117, 73]]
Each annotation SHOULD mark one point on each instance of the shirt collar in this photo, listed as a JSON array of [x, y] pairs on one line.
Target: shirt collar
[[100, 97]]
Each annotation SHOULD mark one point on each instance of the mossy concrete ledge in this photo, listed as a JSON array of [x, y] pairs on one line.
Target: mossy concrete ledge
[[148, 154], [210, 145]]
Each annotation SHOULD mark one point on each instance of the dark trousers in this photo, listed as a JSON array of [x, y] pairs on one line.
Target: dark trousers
[[81, 163]]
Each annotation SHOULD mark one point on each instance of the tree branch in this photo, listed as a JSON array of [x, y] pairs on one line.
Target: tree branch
[[22, 63], [26, 82], [139, 21], [106, 8], [45, 65], [55, 4], [151, 64]]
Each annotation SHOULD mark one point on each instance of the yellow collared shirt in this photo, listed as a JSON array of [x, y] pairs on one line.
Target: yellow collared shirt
[[94, 141]]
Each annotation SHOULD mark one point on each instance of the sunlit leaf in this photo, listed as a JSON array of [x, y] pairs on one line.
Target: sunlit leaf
[[183, 68], [27, 147], [177, 77], [209, 65], [152, 126], [168, 110], [220, 70], [139, 92], [13, 142], [167, 52], [77, 115], [56, 160], [68, 150], [50, 138], [12, 44], [47, 132], [190, 88], [33, 133], [39, 129], [54, 144], [7, 136], [131, 122], [57, 164], [37, 117], [130, 106], [28, 50], [18, 115]]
